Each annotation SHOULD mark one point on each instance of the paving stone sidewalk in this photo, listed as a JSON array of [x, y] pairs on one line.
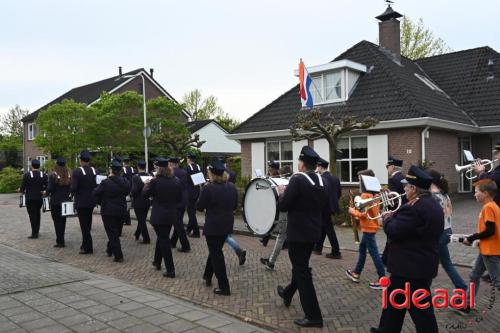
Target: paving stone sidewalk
[[37, 295]]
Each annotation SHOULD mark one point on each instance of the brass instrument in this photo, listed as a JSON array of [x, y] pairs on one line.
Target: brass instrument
[[386, 199], [354, 221], [469, 168]]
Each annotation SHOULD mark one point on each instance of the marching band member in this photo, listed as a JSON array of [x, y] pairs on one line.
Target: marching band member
[[166, 191], [395, 171], [439, 191], [494, 174], [231, 173], [369, 227], [82, 184], [59, 191], [193, 195], [33, 184], [412, 252], [140, 203], [128, 172], [179, 231], [488, 232], [280, 243], [219, 200], [272, 171], [304, 199], [334, 191], [111, 195]]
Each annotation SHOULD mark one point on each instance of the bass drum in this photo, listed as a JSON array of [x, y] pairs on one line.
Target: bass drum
[[260, 204]]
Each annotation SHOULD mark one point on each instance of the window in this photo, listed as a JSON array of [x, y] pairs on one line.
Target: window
[[280, 151], [42, 160], [354, 158], [31, 131], [327, 87]]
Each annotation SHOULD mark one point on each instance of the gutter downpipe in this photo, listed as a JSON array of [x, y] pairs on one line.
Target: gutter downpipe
[[423, 135]]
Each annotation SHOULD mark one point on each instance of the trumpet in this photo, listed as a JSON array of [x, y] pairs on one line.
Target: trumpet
[[386, 200], [469, 168]]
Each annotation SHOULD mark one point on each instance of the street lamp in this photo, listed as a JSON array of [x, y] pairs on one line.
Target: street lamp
[[145, 132]]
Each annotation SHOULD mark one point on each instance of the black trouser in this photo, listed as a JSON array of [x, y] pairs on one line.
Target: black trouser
[[85, 218], [299, 254], [392, 319], [59, 222], [215, 261], [34, 211], [126, 218], [112, 227], [328, 230], [142, 228], [179, 231], [163, 249], [193, 222]]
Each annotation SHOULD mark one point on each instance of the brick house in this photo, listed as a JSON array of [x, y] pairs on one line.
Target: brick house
[[90, 94], [429, 109]]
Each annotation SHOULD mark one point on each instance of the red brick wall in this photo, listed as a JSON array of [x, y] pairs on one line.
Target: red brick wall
[[246, 158], [442, 149]]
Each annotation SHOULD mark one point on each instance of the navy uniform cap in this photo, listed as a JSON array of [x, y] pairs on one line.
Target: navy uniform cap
[[61, 161], [217, 167], [273, 164], [323, 163], [497, 146], [126, 159], [394, 161], [174, 159], [418, 177], [35, 163], [308, 155], [191, 156], [116, 164], [162, 162], [85, 155], [141, 164]]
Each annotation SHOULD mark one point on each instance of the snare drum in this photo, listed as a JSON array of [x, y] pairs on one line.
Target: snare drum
[[260, 204], [68, 209], [46, 204]]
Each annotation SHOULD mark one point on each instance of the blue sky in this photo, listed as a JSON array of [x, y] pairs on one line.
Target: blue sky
[[243, 52]]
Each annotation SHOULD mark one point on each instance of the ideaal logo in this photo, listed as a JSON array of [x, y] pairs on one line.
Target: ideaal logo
[[420, 298]]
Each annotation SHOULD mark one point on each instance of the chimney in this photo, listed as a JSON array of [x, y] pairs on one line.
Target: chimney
[[389, 32], [151, 72], [119, 70]]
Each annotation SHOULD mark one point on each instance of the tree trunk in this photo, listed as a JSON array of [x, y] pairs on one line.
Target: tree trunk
[[333, 156]]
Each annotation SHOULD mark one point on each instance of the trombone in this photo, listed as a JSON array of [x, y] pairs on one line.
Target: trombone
[[469, 168], [386, 199]]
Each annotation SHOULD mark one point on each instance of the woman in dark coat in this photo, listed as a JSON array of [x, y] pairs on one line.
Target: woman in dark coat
[[219, 199], [59, 190], [111, 196], [166, 191]]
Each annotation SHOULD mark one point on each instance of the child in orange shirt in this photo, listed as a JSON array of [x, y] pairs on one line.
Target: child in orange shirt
[[368, 242], [488, 232]]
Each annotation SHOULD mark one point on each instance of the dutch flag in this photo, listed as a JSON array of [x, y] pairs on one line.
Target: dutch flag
[[305, 86]]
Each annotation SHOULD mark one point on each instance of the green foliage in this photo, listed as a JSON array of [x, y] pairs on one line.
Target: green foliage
[[10, 123], [227, 122], [417, 41], [343, 217], [11, 146], [10, 180], [199, 108]]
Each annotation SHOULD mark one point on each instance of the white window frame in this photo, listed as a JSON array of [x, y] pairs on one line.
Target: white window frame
[[343, 81], [43, 159], [31, 131], [350, 160], [290, 162]]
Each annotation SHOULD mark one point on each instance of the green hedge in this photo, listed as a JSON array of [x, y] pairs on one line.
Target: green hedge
[[10, 180]]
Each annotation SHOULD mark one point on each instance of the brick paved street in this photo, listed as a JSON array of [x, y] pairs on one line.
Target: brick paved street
[[346, 307]]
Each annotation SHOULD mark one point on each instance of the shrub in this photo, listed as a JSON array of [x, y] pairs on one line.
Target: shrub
[[10, 180]]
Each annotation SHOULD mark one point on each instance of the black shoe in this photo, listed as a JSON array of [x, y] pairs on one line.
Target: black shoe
[[85, 252], [108, 253], [242, 256], [118, 259], [147, 241], [269, 265], [281, 293], [334, 255], [208, 282], [34, 236], [223, 292], [59, 245], [375, 330], [184, 250], [157, 266], [264, 240], [169, 274], [308, 323], [137, 236], [173, 246]]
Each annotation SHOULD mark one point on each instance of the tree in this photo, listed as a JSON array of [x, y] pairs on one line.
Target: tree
[[169, 134], [417, 41], [199, 108], [11, 124], [312, 124], [227, 122]]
